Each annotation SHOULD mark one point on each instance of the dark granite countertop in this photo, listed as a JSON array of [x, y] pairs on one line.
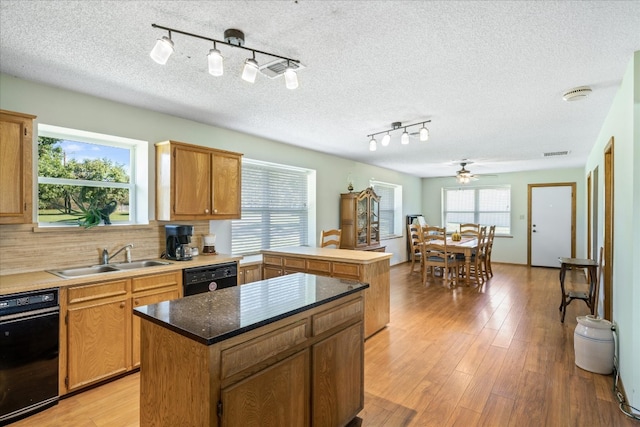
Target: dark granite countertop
[[216, 316]]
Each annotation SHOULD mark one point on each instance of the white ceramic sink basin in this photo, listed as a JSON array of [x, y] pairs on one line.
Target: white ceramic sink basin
[[68, 273]]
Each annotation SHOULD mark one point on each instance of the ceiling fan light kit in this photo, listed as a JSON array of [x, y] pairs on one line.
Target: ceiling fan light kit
[[404, 139], [164, 48], [464, 176]]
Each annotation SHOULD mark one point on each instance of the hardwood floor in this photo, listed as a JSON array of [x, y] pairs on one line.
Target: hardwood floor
[[494, 356]]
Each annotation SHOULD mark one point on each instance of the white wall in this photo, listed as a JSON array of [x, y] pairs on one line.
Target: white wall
[[513, 249], [64, 108], [623, 124]]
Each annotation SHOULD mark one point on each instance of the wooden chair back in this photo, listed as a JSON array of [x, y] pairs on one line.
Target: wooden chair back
[[330, 238], [470, 230], [436, 254], [414, 234]]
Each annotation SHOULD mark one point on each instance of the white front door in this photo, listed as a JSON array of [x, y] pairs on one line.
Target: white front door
[[550, 225]]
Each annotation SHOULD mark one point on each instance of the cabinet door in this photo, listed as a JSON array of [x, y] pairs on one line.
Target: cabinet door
[[192, 182], [226, 185], [269, 272], [165, 294], [338, 378], [98, 340], [15, 168], [275, 396], [250, 273]]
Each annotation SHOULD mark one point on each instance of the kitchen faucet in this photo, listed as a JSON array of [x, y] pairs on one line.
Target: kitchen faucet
[[127, 255]]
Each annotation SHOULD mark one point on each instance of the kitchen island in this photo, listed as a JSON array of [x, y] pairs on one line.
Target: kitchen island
[[363, 266], [283, 351]]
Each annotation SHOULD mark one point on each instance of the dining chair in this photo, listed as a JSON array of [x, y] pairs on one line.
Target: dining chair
[[487, 252], [469, 229], [330, 238], [414, 234], [477, 259], [436, 254]]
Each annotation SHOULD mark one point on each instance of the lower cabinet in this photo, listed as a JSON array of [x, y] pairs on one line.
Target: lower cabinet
[[98, 333], [275, 396], [102, 336], [249, 273]]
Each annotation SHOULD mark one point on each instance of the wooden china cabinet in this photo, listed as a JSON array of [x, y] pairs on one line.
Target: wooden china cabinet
[[360, 221]]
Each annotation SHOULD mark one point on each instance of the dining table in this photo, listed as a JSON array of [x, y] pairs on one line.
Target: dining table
[[465, 246]]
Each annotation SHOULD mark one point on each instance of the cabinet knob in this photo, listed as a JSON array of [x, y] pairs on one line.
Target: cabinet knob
[[206, 211], [136, 302], [215, 211], [122, 304]]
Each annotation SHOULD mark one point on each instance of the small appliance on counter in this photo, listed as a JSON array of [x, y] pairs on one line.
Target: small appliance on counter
[[178, 239], [209, 247]]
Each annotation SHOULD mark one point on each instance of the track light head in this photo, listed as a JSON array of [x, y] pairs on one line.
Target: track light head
[[386, 140], [215, 61], [404, 139], [250, 70], [162, 50], [424, 133], [373, 145]]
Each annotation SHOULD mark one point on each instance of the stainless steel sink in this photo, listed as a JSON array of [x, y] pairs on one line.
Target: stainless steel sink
[[83, 271], [139, 264], [72, 272]]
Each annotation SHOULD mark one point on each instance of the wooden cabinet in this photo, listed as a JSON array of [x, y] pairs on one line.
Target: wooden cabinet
[[16, 172], [98, 324], [102, 336], [249, 273], [194, 182], [151, 290], [360, 220], [275, 396], [365, 267]]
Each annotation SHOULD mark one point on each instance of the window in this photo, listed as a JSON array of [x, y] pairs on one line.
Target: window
[[277, 203], [479, 205], [78, 170], [390, 208]]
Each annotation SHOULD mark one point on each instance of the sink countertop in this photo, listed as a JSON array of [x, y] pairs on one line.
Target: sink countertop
[[36, 280], [213, 317]]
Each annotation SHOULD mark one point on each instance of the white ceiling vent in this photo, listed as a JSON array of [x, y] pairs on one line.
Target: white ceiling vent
[[577, 93], [555, 153], [276, 68]]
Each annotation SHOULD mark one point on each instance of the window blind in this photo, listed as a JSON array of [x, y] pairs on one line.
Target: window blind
[[275, 208], [388, 211], [480, 205]]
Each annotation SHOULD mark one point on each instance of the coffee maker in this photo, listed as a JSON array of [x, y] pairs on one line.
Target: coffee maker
[[178, 239]]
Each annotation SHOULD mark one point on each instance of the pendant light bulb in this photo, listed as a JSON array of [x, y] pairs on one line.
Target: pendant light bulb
[[215, 60], [404, 139], [162, 50], [386, 139], [290, 78], [250, 70], [424, 133], [373, 145]]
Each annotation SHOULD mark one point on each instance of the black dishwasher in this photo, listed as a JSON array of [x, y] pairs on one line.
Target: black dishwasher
[[197, 280], [29, 341]]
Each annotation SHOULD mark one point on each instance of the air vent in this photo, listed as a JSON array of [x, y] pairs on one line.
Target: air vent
[[276, 68], [555, 153], [577, 93]]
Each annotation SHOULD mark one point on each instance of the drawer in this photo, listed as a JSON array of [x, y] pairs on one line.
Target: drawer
[[340, 315], [272, 260], [253, 352], [317, 266], [345, 270], [77, 294], [155, 281], [297, 263]]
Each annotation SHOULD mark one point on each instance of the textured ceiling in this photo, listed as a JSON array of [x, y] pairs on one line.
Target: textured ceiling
[[490, 75]]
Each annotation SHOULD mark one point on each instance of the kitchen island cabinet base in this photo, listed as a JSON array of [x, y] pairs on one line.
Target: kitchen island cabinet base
[[263, 374]]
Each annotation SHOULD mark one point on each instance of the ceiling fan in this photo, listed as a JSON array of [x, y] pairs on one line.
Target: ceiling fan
[[464, 176]]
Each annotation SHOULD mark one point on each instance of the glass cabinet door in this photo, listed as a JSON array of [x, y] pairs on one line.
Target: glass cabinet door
[[374, 221], [362, 213]]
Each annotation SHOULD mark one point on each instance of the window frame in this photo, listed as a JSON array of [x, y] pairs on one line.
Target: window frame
[[397, 209], [308, 239], [138, 184], [476, 212]]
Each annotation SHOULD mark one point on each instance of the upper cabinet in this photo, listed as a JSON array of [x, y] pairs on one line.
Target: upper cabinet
[[16, 141], [194, 182], [360, 221]]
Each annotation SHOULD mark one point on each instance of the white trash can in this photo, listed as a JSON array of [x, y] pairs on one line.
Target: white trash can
[[593, 344]]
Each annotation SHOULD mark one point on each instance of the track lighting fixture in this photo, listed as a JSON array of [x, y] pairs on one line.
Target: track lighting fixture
[[404, 139], [232, 38]]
